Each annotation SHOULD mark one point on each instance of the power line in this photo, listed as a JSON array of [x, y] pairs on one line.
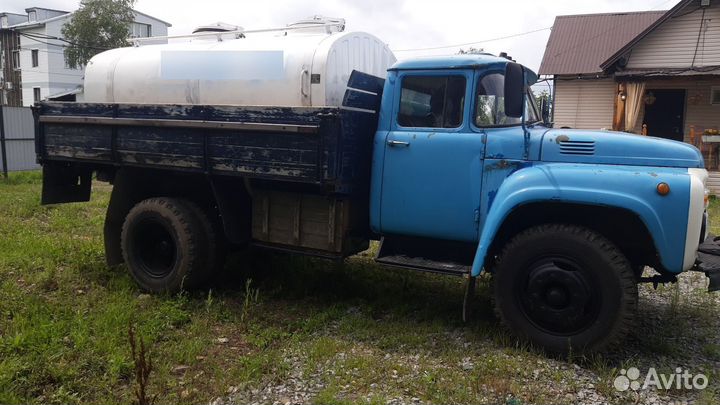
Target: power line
[[474, 42], [75, 44], [38, 38], [28, 70], [662, 3], [697, 44]]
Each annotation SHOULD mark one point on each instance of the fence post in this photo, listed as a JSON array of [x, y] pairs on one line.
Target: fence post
[[3, 149]]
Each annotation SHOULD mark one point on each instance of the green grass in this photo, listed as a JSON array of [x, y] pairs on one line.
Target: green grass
[[366, 333]]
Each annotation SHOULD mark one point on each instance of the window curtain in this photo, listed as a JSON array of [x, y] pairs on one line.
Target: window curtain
[[633, 102]]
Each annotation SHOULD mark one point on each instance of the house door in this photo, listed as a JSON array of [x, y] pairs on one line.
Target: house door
[[665, 113]]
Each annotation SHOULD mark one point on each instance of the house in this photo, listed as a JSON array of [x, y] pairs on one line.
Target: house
[[652, 73], [39, 58], [10, 90]]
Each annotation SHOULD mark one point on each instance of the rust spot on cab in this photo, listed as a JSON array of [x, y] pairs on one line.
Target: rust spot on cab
[[562, 138]]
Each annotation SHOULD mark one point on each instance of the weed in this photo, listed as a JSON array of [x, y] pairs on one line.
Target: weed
[[209, 301], [143, 367], [251, 297]]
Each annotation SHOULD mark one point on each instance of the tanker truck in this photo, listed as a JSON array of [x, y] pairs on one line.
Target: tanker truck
[[315, 141]]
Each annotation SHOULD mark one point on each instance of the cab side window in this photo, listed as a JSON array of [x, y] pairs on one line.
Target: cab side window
[[432, 101], [490, 106]]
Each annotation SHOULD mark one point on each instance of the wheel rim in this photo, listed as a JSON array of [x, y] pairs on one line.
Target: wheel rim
[[556, 296], [154, 248]]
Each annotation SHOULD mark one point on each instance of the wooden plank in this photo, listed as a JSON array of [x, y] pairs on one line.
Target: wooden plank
[[78, 153], [265, 170], [59, 108], [362, 100], [366, 82], [163, 160], [255, 114], [201, 124]]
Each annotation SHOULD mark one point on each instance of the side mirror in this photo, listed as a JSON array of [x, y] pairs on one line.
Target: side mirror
[[545, 109], [514, 90]]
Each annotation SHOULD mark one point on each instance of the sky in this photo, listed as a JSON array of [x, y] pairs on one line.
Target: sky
[[402, 24]]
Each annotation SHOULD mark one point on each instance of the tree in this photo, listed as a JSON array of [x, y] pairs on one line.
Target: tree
[[96, 26]]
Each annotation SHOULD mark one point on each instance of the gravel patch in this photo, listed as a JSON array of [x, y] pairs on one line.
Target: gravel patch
[[677, 326]]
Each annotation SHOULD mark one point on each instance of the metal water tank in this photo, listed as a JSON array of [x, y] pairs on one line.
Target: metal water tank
[[306, 64]]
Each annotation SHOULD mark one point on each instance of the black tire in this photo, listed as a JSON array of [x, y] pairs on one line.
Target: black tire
[[168, 244], [565, 288], [217, 245]]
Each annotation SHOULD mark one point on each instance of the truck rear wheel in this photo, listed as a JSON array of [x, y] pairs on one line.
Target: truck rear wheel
[[168, 244], [565, 288]]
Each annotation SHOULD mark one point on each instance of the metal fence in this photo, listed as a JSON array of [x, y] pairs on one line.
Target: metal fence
[[17, 139]]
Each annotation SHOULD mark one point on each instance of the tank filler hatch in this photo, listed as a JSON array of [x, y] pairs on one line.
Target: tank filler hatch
[[319, 23]]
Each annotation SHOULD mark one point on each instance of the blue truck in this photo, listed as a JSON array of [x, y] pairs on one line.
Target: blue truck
[[448, 162]]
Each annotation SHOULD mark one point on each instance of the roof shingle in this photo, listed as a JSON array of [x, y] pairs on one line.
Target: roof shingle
[[579, 44]]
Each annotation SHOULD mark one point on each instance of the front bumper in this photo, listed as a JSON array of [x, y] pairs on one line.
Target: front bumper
[[708, 261]]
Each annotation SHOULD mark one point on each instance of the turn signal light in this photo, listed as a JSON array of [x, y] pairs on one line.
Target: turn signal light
[[663, 188], [707, 198]]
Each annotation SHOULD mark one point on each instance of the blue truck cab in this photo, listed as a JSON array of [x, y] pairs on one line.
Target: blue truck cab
[[448, 163]]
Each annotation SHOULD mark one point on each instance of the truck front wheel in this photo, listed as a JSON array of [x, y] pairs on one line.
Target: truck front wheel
[[565, 288], [168, 244]]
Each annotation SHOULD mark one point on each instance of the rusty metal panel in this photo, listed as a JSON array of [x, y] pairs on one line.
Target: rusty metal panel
[[19, 135]]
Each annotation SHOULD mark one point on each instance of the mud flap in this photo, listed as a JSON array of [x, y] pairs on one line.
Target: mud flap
[[708, 261], [65, 182], [468, 298]]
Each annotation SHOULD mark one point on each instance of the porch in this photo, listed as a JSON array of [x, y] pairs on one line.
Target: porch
[[682, 106]]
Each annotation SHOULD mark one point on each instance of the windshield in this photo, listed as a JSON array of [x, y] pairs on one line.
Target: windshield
[[490, 103]]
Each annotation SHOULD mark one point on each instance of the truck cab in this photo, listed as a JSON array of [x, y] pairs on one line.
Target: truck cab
[[566, 220]]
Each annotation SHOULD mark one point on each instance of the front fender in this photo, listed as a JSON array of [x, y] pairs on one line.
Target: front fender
[[627, 187]]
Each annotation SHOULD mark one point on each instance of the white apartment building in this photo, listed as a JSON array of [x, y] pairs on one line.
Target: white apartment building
[[40, 59]]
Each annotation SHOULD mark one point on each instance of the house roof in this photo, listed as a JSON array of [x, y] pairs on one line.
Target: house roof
[[632, 42], [48, 9], [579, 44], [34, 24], [154, 18], [40, 23]]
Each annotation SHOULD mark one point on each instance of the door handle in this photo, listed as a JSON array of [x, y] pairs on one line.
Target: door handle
[[398, 143]]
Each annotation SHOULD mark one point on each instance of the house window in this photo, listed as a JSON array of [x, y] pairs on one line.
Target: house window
[[36, 94], [16, 59], [35, 57], [3, 22], [138, 30], [432, 101], [715, 95], [32, 16]]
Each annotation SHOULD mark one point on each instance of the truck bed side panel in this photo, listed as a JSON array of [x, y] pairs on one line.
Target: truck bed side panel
[[321, 146]]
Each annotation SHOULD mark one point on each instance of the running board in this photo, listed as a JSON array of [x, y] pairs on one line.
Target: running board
[[422, 264], [406, 254]]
